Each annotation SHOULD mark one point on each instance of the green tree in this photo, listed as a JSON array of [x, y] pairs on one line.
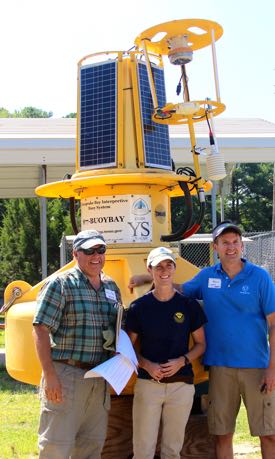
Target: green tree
[[71, 115], [31, 112], [250, 201], [20, 246], [58, 223], [4, 113], [26, 112], [20, 242], [2, 210]]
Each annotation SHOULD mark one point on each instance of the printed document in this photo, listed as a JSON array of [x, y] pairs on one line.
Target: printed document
[[119, 369]]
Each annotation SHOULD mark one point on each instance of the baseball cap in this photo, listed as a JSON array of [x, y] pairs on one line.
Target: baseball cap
[[87, 239], [159, 254], [219, 229]]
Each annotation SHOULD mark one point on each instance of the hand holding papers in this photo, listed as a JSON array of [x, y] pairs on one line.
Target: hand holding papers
[[110, 335], [117, 370]]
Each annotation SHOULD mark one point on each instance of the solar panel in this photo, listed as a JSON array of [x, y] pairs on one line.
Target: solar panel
[[155, 136], [98, 115]]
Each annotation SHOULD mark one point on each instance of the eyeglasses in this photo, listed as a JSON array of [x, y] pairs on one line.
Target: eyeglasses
[[100, 250]]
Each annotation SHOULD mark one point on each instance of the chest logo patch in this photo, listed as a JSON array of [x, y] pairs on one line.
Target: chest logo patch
[[245, 290], [179, 317]]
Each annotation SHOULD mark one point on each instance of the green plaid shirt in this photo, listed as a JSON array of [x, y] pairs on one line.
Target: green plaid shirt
[[76, 314]]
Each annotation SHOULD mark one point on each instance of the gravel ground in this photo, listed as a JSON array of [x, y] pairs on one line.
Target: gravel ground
[[242, 451]]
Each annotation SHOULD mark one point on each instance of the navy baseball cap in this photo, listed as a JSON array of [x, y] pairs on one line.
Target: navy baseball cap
[[219, 229]]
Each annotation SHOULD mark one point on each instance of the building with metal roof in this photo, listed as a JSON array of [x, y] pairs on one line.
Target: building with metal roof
[[35, 150]]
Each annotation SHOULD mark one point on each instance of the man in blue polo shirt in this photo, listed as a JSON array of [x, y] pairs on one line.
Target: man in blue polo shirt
[[239, 302]]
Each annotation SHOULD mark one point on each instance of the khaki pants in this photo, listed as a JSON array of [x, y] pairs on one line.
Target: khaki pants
[[159, 402], [76, 428]]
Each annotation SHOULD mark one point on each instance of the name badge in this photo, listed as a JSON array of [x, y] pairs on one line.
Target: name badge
[[110, 294], [214, 283]]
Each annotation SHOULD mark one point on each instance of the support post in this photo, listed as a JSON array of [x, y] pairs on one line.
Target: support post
[[214, 212], [43, 225]]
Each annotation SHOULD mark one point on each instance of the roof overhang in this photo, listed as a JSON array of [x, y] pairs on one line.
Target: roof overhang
[[28, 144]]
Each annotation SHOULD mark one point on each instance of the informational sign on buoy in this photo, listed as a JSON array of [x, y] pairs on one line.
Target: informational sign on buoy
[[121, 218]]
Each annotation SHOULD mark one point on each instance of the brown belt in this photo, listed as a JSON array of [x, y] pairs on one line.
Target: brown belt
[[76, 363], [176, 378]]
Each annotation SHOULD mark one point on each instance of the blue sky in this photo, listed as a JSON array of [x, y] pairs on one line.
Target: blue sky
[[42, 41]]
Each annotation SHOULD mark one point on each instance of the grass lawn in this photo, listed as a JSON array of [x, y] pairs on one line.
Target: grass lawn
[[242, 429], [19, 414], [19, 411], [242, 437]]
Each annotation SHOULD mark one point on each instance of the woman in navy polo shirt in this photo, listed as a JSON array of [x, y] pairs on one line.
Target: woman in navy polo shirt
[[161, 323]]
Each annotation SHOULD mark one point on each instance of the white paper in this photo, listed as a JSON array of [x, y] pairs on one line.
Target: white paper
[[119, 369], [125, 347]]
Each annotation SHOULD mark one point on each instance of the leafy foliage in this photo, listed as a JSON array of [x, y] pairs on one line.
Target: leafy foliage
[[248, 204], [58, 223], [71, 115], [4, 113], [250, 201], [31, 112], [20, 249], [26, 112], [19, 244]]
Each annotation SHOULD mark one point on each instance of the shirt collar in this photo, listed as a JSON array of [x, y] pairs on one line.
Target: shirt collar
[[246, 267], [83, 275]]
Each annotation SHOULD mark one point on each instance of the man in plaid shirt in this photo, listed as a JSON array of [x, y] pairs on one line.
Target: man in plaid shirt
[[74, 310]]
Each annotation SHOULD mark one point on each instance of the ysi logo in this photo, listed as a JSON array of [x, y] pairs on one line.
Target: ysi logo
[[140, 228]]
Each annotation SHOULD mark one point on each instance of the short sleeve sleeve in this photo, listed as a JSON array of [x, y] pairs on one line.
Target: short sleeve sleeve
[[50, 304], [198, 317], [132, 319], [267, 294], [193, 288]]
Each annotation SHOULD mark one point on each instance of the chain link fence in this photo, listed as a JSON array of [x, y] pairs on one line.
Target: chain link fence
[[259, 248], [197, 251]]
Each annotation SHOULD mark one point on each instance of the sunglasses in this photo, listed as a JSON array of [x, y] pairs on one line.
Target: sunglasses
[[100, 250]]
